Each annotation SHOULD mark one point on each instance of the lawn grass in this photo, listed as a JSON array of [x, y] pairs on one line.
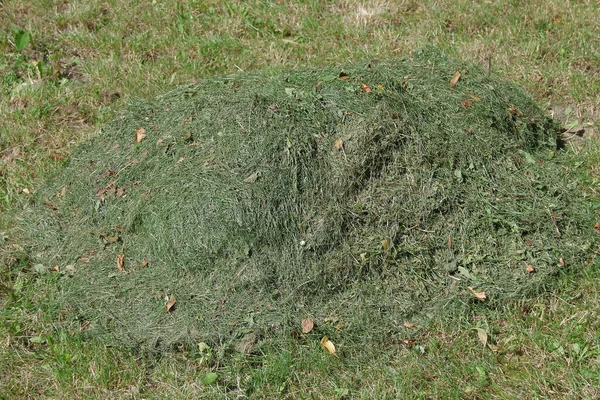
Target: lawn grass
[[96, 56]]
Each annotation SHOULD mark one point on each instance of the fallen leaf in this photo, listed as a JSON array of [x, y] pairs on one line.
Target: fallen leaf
[[483, 336], [251, 178], [385, 243], [121, 192], [56, 268], [307, 325], [106, 173], [466, 103], [379, 87], [529, 242], [181, 159], [530, 268], [515, 111], [597, 226], [449, 242], [11, 154], [210, 378], [340, 326], [365, 88], [140, 134], [339, 144], [84, 325], [170, 303], [562, 262], [328, 345], [84, 259], [471, 95], [408, 325], [109, 239], [121, 261], [50, 205], [56, 156], [479, 295], [455, 79], [343, 76], [494, 348], [144, 263]]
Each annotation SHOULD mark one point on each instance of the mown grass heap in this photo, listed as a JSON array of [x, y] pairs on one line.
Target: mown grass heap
[[362, 196]]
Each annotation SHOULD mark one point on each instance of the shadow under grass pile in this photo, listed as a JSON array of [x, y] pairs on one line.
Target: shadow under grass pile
[[362, 196]]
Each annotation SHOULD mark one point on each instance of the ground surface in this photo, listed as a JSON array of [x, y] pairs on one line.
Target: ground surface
[[83, 63]]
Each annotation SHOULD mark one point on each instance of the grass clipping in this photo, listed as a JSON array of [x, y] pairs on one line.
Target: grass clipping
[[364, 196]]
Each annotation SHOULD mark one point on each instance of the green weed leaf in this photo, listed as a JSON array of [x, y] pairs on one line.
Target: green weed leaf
[[21, 39], [36, 339], [210, 378]]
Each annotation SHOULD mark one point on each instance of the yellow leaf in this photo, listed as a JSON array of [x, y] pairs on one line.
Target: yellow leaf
[[328, 345], [307, 325], [409, 325], [386, 244], [530, 268], [479, 295], [483, 337], [140, 134], [455, 79], [170, 303], [338, 144]]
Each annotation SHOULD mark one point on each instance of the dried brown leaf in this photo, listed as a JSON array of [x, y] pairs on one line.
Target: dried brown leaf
[[140, 134], [144, 263], [597, 226], [338, 144], [50, 205], [530, 268], [307, 325], [479, 295], [170, 303], [455, 79], [562, 262], [476, 98], [365, 88], [84, 325], [467, 103], [121, 261], [121, 192]]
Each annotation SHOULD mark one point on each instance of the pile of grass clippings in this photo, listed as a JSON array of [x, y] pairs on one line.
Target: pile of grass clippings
[[362, 196]]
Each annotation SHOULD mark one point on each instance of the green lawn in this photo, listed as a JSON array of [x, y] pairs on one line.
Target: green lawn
[[67, 67]]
